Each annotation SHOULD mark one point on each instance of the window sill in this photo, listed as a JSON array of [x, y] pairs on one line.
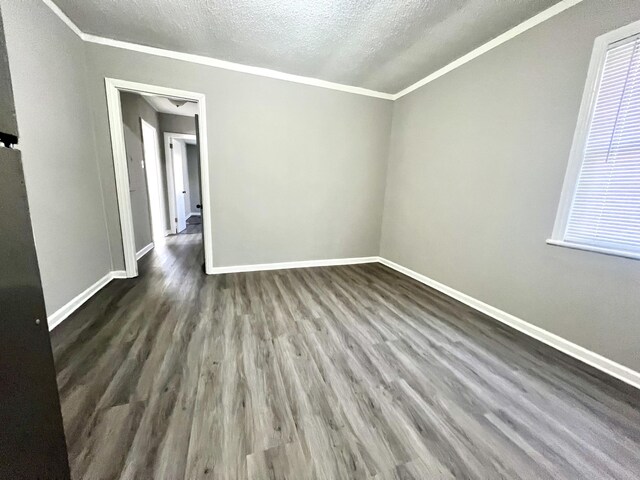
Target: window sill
[[589, 248]]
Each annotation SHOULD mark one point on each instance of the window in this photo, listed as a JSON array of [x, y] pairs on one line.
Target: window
[[600, 204]]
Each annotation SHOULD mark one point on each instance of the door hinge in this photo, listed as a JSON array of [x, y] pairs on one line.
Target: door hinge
[[176, 220], [171, 146]]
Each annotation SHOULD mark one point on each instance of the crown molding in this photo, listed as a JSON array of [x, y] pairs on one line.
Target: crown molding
[[213, 62], [237, 67], [265, 72], [62, 16], [491, 44]]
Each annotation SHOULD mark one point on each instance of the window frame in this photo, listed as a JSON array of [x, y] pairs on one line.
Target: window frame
[[576, 157]]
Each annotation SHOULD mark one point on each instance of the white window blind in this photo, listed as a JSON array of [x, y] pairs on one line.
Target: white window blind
[[605, 211]]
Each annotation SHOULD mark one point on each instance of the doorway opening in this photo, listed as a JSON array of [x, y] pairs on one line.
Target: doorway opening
[[162, 186], [183, 180]]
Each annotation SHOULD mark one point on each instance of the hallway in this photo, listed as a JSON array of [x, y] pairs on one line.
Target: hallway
[[332, 372], [128, 364]]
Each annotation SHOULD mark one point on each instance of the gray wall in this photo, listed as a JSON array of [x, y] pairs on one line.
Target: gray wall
[[135, 107], [476, 167], [177, 124], [194, 177], [296, 172], [57, 140]]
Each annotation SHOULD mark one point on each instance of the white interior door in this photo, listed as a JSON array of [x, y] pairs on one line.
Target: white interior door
[[154, 183], [186, 197], [179, 181]]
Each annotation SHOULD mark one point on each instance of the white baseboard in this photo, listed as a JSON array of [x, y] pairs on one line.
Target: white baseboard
[[143, 251], [119, 274], [597, 361], [287, 265], [63, 312], [603, 364]]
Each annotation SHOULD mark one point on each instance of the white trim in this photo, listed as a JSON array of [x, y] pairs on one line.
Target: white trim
[[62, 16], [113, 87], [63, 312], [236, 67], [574, 165], [576, 157], [114, 110], [168, 232], [119, 274], [168, 165], [597, 361], [214, 62], [205, 201], [265, 72], [143, 251], [590, 248], [194, 214], [182, 136], [490, 45], [153, 175], [287, 265]]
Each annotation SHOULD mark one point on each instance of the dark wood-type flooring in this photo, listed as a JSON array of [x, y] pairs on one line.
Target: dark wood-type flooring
[[348, 372], [194, 225]]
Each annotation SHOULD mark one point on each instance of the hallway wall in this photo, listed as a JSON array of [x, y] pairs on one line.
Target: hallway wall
[[297, 172], [135, 107], [47, 62]]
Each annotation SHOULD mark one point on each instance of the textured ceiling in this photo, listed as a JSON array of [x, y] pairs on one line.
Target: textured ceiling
[[383, 45]]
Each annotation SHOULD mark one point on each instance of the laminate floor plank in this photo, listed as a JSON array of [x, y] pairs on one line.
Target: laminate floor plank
[[350, 372]]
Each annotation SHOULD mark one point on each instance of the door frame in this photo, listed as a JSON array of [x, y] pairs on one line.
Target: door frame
[[156, 202], [113, 88], [171, 187]]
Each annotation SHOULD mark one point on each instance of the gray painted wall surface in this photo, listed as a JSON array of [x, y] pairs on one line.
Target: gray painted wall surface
[[177, 123], [135, 107], [57, 141], [194, 177], [296, 172], [477, 162]]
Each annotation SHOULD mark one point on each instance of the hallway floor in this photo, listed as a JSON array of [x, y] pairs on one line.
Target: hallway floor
[[330, 373], [194, 225]]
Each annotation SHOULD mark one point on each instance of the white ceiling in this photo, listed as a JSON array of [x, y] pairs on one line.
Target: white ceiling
[[164, 105], [383, 45]]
